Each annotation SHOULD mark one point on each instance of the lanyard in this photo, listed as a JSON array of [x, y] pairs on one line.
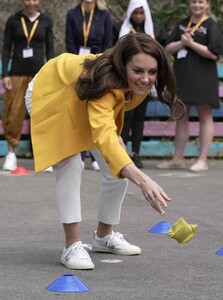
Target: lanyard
[[86, 27], [29, 37], [133, 30], [197, 25]]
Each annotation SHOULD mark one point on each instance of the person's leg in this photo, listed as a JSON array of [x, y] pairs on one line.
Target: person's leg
[[137, 126], [181, 138], [92, 157], [14, 112], [94, 163], [68, 182], [83, 155], [206, 130], [111, 196], [137, 132], [129, 115], [206, 137]]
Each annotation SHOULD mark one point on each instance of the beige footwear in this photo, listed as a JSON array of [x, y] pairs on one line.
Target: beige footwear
[[199, 166], [171, 165]]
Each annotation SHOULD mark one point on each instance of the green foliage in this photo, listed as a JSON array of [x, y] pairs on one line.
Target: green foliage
[[169, 15], [166, 12], [118, 8]]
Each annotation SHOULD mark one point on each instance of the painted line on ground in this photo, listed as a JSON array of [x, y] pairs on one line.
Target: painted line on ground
[[182, 175], [111, 261]]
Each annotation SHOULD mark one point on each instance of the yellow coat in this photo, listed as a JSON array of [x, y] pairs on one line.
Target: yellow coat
[[62, 125]]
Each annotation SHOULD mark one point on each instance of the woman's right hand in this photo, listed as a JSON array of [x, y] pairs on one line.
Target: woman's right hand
[[152, 192], [7, 83]]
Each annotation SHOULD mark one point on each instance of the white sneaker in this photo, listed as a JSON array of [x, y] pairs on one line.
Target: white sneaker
[[76, 257], [48, 170], [10, 163], [114, 243], [95, 166]]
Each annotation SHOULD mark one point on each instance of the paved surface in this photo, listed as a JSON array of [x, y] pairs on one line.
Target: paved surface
[[31, 239]]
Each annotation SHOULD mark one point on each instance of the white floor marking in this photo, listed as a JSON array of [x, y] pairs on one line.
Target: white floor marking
[[182, 175], [111, 261]]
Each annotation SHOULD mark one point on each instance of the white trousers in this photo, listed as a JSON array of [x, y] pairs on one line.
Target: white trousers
[[68, 188], [68, 185]]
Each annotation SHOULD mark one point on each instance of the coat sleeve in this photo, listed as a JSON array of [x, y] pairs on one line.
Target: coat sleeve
[[49, 40], [7, 47], [108, 35], [70, 31], [102, 118]]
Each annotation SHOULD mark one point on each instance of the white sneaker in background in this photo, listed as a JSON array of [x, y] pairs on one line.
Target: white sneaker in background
[[48, 170], [95, 166], [76, 257], [10, 163]]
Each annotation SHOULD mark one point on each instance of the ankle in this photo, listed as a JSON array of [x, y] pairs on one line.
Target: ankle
[[75, 242], [202, 160], [177, 160], [101, 235]]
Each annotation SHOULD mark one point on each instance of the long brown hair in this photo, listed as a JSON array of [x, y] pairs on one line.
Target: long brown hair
[[108, 71]]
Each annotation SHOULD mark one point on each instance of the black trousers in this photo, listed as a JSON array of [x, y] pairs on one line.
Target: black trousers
[[83, 156], [134, 121]]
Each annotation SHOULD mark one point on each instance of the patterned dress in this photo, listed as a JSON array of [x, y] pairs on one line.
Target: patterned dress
[[197, 78]]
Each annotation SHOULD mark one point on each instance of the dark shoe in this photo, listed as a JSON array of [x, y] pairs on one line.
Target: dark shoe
[[137, 161]]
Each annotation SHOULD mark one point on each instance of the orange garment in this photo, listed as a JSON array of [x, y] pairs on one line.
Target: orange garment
[[14, 109]]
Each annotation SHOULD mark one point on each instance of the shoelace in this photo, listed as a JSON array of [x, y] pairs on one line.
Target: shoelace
[[113, 238], [79, 249]]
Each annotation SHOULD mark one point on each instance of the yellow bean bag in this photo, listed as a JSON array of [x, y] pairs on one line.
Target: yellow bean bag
[[182, 232]]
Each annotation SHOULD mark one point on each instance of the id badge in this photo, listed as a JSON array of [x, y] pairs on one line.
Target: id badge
[[182, 53], [84, 50], [28, 52]]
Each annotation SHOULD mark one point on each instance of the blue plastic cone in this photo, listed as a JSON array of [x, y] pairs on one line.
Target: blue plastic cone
[[219, 252], [161, 228], [67, 283]]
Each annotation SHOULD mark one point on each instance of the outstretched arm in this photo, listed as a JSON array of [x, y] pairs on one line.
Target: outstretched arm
[[150, 189]]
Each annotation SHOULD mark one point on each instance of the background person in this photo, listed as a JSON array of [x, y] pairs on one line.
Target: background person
[[89, 30], [28, 41], [196, 43], [138, 19]]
